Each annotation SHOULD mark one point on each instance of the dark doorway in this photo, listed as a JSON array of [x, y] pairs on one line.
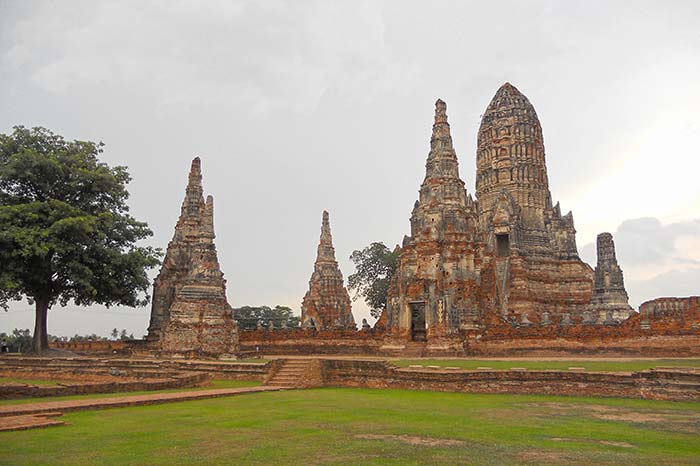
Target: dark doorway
[[503, 245], [418, 322]]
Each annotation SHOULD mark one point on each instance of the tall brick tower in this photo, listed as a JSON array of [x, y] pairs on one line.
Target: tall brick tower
[[536, 267], [180, 252], [327, 303], [431, 293], [190, 314], [510, 166]]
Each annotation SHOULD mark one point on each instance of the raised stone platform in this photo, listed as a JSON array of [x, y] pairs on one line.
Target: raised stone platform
[[83, 375], [666, 384]]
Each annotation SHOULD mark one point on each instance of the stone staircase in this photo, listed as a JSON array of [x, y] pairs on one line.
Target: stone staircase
[[290, 374]]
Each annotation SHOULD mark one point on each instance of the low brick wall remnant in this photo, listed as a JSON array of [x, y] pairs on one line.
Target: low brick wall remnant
[[668, 384], [300, 341], [82, 375]]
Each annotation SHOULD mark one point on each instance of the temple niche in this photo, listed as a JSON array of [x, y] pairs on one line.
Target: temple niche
[[326, 306], [190, 314]]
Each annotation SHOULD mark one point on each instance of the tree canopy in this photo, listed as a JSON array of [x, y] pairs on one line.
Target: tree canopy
[[374, 267], [65, 230], [248, 317]]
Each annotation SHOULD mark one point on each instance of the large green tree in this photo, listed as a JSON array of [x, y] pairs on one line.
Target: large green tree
[[374, 267], [65, 230]]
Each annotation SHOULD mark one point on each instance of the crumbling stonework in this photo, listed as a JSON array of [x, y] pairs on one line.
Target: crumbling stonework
[[680, 314], [508, 259], [327, 303], [532, 268], [659, 384], [433, 293], [190, 313], [610, 304]]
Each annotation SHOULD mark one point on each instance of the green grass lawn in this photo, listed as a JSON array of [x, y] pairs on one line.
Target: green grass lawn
[[214, 384], [364, 426], [590, 365]]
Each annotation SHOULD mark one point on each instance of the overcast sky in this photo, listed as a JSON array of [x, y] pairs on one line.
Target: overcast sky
[[299, 106]]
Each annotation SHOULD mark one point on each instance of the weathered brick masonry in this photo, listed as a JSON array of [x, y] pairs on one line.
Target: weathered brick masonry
[[191, 315], [302, 341], [654, 384], [326, 305], [82, 375]]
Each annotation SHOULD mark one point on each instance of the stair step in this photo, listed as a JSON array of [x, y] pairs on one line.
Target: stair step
[[290, 373]]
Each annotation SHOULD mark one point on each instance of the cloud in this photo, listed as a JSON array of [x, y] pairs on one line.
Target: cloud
[[657, 259], [255, 55]]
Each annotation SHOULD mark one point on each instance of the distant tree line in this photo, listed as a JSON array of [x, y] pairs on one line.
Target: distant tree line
[[250, 317], [117, 335], [20, 340]]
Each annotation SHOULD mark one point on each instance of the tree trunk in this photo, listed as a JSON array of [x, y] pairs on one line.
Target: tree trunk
[[40, 340]]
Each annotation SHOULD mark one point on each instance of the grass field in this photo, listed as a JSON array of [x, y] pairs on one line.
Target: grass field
[[365, 426], [214, 384], [620, 365]]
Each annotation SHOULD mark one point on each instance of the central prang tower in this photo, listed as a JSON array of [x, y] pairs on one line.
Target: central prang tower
[[510, 167], [536, 272]]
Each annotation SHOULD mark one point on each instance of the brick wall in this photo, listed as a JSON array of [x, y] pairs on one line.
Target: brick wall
[[309, 342], [653, 384], [94, 375]]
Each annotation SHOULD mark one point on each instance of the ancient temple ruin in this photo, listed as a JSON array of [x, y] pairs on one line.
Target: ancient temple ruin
[[327, 303], [532, 267], [434, 288], [610, 303], [190, 313], [508, 258]]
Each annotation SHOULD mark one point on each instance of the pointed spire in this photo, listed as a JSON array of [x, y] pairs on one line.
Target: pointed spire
[[442, 159], [194, 195], [507, 89], [326, 252], [326, 237], [440, 111]]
